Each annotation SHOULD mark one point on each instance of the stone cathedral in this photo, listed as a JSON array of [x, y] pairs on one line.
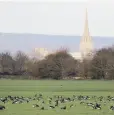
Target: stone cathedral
[[85, 48], [86, 44]]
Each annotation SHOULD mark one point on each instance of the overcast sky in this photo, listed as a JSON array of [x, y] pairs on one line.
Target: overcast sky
[[54, 18], [57, 18]]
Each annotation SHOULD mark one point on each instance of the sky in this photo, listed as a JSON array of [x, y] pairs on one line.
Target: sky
[[57, 18]]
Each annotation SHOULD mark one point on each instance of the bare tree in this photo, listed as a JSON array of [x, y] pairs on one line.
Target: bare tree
[[102, 65], [20, 62], [6, 62]]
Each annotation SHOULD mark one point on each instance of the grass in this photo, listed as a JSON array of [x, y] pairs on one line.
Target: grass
[[52, 87]]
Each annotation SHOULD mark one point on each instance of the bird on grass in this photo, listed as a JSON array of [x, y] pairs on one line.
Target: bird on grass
[[63, 107], [52, 107], [35, 105], [42, 108], [112, 107], [2, 107]]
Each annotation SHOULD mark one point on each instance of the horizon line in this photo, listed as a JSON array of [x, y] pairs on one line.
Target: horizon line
[[52, 34]]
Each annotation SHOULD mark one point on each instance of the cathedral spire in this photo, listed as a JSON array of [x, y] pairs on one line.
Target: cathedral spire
[[86, 41], [86, 35]]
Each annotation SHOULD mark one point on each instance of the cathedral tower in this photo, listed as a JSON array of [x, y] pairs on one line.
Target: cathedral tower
[[86, 45]]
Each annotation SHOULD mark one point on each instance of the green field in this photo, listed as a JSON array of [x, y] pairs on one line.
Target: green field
[[50, 88]]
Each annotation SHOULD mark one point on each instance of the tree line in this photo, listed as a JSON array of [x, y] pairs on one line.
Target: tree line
[[58, 65]]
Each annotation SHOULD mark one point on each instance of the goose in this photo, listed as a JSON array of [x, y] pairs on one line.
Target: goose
[[63, 107], [2, 107], [35, 105], [112, 107]]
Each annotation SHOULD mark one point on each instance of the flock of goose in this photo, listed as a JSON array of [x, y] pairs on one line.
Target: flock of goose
[[63, 103]]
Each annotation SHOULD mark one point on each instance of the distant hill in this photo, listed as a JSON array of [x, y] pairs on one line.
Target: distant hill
[[27, 42]]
